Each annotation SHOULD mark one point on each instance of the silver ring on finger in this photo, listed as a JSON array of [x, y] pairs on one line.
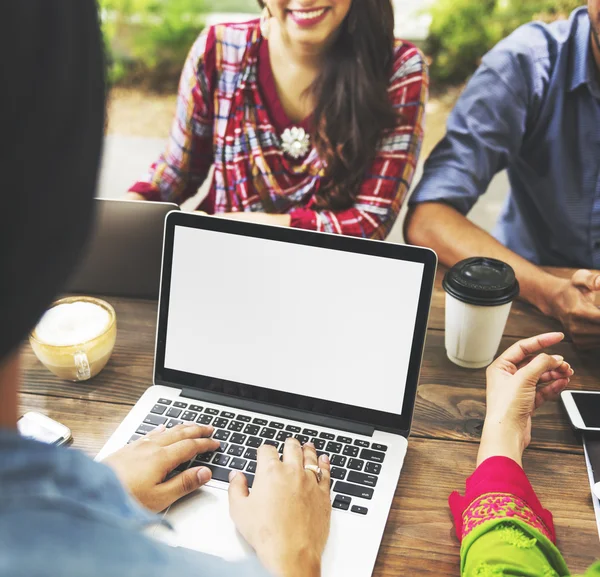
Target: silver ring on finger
[[316, 470]]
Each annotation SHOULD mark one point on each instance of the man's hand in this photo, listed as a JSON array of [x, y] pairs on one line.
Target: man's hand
[[573, 305], [143, 465], [286, 517], [518, 382]]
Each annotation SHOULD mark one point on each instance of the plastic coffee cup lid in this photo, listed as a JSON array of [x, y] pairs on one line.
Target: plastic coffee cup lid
[[482, 281]]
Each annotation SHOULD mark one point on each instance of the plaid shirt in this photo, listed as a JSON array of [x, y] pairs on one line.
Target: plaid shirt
[[228, 115]]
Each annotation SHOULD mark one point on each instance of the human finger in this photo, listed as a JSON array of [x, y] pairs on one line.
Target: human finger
[[543, 363], [325, 467], [564, 371], [183, 431], [266, 457], [292, 453], [518, 352], [157, 431], [238, 493], [187, 449], [564, 367], [310, 458], [550, 392], [586, 279], [183, 484]]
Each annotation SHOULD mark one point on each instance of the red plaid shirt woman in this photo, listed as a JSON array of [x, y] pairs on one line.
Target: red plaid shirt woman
[[229, 115]]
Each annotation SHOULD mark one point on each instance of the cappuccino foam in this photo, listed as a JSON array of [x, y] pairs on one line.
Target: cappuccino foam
[[72, 324]]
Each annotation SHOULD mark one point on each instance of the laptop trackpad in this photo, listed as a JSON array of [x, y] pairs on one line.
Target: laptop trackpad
[[201, 522]]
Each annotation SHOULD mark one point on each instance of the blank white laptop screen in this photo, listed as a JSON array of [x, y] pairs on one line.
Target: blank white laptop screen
[[323, 323]]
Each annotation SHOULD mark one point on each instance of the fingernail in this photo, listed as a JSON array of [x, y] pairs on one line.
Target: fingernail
[[161, 428], [204, 475], [325, 458], [232, 475], [558, 357], [309, 444]]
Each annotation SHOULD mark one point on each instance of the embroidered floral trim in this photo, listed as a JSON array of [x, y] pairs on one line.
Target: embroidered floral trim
[[500, 506]]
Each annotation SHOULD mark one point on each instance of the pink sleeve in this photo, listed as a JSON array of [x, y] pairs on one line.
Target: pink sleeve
[[499, 488]]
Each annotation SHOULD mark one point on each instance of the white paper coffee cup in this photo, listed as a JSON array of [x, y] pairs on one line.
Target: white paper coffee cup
[[479, 296], [473, 333]]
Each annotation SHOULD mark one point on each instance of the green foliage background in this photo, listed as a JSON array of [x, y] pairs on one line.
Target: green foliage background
[[462, 31], [148, 40]]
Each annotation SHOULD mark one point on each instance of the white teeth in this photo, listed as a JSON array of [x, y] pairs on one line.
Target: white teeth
[[309, 15]]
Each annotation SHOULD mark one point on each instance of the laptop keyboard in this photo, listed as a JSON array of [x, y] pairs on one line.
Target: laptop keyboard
[[355, 463]]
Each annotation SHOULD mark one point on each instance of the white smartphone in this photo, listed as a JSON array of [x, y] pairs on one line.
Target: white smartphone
[[583, 408], [41, 428]]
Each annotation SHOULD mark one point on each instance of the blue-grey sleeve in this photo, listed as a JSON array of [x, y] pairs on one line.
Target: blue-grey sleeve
[[184, 562], [77, 541], [484, 130]]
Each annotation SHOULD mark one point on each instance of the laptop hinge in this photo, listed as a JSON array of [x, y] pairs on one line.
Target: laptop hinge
[[278, 411]]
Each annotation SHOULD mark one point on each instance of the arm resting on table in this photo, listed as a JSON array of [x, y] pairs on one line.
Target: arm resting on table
[[454, 238]]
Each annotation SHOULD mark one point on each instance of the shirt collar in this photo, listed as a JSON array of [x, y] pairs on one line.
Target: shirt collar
[[582, 63]]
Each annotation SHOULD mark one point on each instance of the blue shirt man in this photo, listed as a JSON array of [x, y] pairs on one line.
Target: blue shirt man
[[533, 108]]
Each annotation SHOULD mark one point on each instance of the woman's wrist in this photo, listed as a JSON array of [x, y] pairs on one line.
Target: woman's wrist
[[499, 439]]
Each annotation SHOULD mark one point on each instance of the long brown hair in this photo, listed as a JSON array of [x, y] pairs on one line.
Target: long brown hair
[[352, 109]]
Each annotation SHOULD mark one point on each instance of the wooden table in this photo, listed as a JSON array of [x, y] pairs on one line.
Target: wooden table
[[419, 538]]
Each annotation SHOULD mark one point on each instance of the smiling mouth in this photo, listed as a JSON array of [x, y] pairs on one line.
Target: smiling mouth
[[308, 14]]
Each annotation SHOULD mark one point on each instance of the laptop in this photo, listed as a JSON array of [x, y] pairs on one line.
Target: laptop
[[124, 256], [267, 332]]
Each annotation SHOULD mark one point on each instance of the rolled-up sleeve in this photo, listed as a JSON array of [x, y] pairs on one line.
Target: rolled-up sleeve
[[484, 131]]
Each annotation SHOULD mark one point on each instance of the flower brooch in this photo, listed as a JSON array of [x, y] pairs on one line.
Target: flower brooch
[[295, 142]]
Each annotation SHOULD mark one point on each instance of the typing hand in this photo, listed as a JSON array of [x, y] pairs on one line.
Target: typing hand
[[286, 517], [143, 465], [518, 382], [573, 305]]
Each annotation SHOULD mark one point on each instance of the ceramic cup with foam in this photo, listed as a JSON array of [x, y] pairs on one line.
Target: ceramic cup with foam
[[75, 337]]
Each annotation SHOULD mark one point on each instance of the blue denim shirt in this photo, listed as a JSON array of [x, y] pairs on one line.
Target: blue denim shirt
[[63, 515], [532, 107]]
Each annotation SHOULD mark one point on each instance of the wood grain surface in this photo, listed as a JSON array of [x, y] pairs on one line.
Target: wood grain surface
[[450, 407], [419, 537]]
